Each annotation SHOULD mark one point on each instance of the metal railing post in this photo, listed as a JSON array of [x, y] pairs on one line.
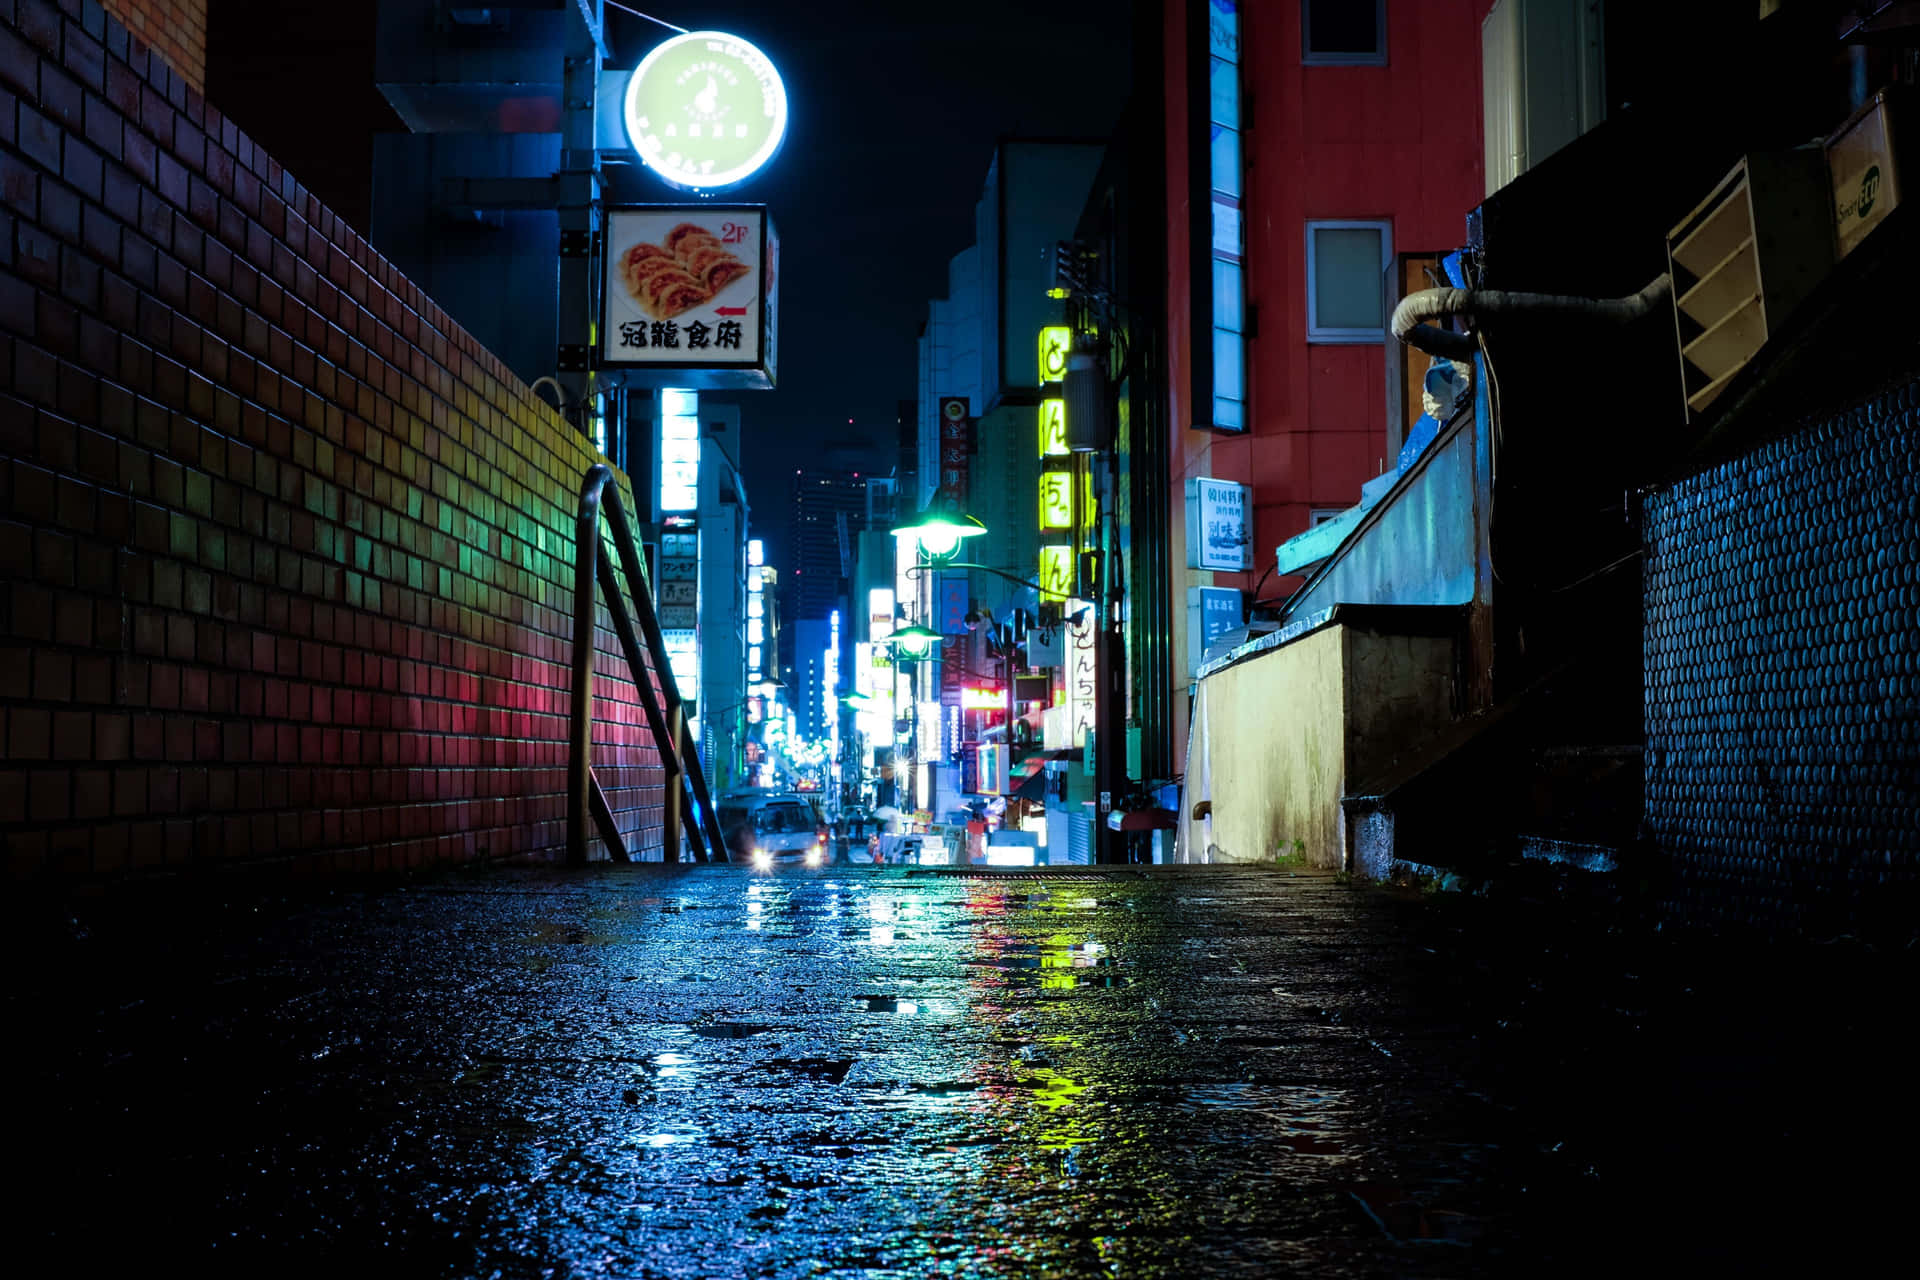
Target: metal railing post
[[671, 793], [586, 552], [649, 620], [685, 781]]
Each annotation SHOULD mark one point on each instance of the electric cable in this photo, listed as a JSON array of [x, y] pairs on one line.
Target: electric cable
[[614, 4]]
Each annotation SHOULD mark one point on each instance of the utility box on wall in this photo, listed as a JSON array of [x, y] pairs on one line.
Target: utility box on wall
[[1863, 164]]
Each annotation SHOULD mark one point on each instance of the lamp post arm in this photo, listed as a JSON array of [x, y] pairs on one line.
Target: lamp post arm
[[914, 571]]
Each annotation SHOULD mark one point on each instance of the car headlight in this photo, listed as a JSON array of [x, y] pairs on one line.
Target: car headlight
[[762, 859], [813, 856]]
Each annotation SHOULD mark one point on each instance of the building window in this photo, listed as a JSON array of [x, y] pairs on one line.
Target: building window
[[1343, 33], [1224, 167], [1346, 281]]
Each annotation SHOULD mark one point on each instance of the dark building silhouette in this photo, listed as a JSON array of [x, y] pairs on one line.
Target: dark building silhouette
[[822, 499]]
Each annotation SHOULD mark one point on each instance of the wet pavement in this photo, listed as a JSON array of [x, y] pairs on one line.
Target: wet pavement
[[903, 1072]]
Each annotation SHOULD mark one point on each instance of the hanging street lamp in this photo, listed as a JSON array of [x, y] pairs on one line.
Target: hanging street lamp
[[939, 532], [915, 641]]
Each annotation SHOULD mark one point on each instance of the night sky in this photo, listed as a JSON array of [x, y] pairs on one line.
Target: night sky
[[895, 109]]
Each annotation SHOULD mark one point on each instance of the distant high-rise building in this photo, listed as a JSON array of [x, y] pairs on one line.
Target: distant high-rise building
[[809, 679], [907, 450], [829, 507]]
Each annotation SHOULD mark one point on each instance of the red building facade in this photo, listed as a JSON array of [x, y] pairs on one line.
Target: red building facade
[[1359, 126]]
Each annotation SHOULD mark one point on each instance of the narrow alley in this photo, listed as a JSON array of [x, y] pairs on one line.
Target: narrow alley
[[1135, 1072]]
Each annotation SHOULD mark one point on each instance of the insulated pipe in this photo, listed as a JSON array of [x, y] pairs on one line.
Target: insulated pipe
[[1477, 304]]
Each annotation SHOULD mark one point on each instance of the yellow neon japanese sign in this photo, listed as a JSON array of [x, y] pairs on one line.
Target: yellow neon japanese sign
[[1056, 499], [1053, 428], [1055, 340], [1056, 571]]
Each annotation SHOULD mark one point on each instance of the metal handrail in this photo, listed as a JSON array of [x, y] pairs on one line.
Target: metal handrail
[[586, 802]]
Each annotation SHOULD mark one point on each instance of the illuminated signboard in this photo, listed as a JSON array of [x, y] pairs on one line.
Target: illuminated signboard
[[1056, 499], [929, 744], [1056, 571], [982, 700], [683, 659], [1053, 428], [679, 451], [678, 587], [1055, 341], [1219, 531], [830, 660], [705, 109], [993, 769], [756, 611], [1082, 671], [690, 295]]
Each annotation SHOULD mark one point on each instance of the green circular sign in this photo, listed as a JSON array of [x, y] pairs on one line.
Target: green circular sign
[[706, 109]]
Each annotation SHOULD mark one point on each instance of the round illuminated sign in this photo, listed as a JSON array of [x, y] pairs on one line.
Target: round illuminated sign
[[706, 109]]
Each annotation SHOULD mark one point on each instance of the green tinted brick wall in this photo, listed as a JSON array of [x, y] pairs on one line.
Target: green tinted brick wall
[[284, 554]]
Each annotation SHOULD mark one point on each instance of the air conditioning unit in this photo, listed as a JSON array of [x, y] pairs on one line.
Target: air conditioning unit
[[1742, 261]]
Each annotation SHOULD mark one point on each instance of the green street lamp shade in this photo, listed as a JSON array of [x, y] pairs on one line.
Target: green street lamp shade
[[914, 641], [939, 533]]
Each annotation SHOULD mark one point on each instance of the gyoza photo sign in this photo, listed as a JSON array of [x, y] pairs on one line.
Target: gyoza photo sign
[[690, 291]]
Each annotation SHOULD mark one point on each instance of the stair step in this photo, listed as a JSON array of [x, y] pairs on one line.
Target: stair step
[[1575, 854]]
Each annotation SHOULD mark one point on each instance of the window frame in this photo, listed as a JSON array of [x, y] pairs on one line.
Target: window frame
[[1205, 308], [1333, 335], [1312, 59]]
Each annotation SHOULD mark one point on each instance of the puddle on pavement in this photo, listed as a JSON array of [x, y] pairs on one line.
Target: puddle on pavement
[[940, 1095], [729, 1030], [1059, 962], [1403, 1216], [553, 932], [833, 1070], [673, 1070], [1304, 1121]]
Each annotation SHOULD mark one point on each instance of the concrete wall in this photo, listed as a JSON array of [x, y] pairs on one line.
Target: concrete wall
[[1271, 739], [285, 555], [1279, 737]]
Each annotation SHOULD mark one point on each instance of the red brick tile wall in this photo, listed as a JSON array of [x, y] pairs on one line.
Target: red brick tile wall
[[175, 29], [284, 553]]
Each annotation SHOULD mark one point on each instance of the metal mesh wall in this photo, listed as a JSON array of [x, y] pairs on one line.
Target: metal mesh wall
[[1782, 649]]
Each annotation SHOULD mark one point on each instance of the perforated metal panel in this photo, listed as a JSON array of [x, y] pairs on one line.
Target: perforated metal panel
[[1081, 848], [1782, 651]]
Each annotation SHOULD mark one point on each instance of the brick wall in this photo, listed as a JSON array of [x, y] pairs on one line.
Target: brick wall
[[175, 29], [284, 554]]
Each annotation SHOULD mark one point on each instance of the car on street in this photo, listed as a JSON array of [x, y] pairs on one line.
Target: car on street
[[766, 829]]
